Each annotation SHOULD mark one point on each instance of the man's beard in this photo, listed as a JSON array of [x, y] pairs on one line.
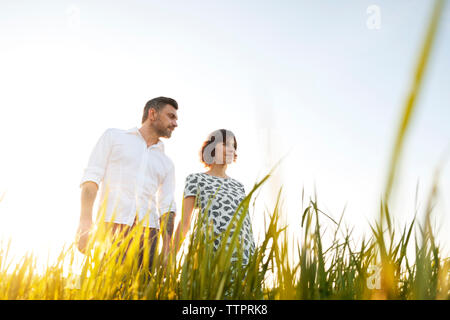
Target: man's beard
[[168, 133], [162, 132]]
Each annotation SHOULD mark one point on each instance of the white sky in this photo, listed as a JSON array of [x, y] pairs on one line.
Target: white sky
[[310, 77]]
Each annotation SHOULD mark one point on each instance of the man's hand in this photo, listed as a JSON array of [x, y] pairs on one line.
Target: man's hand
[[83, 232]]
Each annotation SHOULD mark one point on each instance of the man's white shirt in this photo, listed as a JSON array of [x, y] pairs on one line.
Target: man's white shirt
[[135, 180]]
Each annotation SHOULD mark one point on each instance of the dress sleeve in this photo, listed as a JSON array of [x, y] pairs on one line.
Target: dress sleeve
[[191, 187], [243, 189]]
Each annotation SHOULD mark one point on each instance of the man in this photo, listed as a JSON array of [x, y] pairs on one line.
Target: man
[[137, 179]]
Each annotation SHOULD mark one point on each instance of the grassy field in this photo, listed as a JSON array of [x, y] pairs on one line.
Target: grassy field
[[378, 267]]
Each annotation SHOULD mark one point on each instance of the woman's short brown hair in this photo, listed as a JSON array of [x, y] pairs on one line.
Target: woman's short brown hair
[[208, 149]]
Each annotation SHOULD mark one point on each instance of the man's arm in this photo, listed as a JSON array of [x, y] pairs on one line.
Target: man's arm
[[167, 208], [88, 195], [92, 177]]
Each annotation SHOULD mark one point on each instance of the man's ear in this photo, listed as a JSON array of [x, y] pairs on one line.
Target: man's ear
[[152, 114]]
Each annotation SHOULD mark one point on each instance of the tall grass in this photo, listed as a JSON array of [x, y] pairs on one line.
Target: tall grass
[[427, 253], [378, 267], [340, 270]]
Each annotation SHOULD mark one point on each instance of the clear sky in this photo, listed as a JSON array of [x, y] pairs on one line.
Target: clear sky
[[310, 79]]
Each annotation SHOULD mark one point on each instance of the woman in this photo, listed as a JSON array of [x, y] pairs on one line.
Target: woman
[[225, 193]]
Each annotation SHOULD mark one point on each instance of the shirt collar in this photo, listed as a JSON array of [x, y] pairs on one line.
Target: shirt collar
[[158, 145], [133, 130]]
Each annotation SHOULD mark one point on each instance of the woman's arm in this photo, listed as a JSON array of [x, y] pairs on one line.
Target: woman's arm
[[183, 225]]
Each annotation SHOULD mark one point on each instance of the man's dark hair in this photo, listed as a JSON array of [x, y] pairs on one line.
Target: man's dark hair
[[158, 104]]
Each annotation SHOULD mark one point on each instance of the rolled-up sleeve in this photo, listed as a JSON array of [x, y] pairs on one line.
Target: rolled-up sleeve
[[95, 170], [166, 191]]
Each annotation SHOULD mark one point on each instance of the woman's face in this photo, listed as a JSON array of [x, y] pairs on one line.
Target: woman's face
[[224, 153]]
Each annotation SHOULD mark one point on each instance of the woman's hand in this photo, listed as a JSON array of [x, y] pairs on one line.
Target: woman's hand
[[183, 225]]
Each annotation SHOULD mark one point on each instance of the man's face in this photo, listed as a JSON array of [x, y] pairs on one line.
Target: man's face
[[166, 121]]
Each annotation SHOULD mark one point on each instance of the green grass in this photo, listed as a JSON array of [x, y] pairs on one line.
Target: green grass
[[340, 270], [377, 267]]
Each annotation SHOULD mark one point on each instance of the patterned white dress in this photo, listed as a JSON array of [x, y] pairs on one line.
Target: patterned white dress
[[226, 194]]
